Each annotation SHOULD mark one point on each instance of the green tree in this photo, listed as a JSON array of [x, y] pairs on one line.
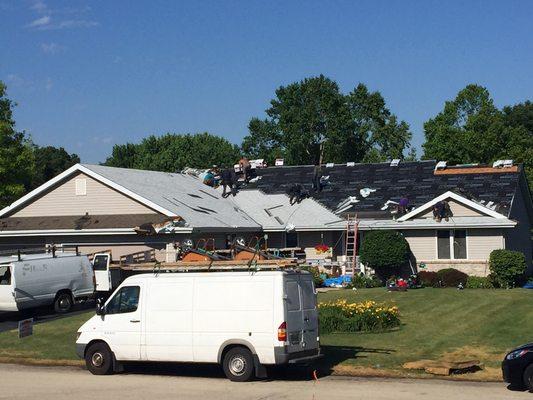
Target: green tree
[[49, 162], [385, 252], [172, 152], [16, 156], [471, 129], [312, 120]]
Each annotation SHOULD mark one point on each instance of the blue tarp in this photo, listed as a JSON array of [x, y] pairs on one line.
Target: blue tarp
[[334, 282], [528, 285]]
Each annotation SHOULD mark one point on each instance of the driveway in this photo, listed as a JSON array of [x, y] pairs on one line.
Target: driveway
[[51, 383]]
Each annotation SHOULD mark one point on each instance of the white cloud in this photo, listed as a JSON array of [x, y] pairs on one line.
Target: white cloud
[[51, 48], [40, 23], [75, 23], [39, 6]]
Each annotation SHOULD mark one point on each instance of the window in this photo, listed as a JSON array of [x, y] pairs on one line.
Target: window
[[291, 239], [100, 263], [124, 301], [443, 245], [5, 275], [81, 187], [459, 244], [451, 244], [293, 296]]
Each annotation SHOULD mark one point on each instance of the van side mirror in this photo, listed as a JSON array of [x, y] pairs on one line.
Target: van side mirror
[[100, 307]]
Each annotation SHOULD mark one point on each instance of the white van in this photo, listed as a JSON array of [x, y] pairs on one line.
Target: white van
[[242, 320], [33, 280]]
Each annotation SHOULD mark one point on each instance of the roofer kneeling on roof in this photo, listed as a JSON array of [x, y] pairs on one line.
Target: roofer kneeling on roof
[[441, 210], [296, 193]]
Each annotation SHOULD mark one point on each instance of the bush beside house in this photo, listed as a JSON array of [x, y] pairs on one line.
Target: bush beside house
[[507, 267], [385, 252]]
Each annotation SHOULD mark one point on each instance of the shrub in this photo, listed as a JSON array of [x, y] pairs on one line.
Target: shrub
[[428, 278], [507, 267], [451, 277], [367, 316], [362, 281], [384, 251], [479, 282], [317, 279]]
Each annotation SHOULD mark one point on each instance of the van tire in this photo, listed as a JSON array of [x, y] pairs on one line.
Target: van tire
[[99, 359], [63, 302], [528, 378], [238, 364]]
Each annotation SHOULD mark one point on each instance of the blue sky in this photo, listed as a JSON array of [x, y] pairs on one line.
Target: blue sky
[[89, 74]]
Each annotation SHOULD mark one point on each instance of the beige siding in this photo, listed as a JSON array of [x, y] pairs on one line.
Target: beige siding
[[422, 243], [98, 200], [481, 242], [458, 210]]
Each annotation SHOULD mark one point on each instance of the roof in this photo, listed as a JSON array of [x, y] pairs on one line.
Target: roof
[[201, 206], [78, 222], [275, 213], [425, 223], [416, 180]]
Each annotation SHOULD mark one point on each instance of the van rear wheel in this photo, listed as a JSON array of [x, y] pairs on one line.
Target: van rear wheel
[[238, 364], [98, 359], [63, 302]]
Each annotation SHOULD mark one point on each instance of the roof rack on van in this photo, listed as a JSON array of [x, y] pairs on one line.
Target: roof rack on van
[[48, 250], [229, 265]]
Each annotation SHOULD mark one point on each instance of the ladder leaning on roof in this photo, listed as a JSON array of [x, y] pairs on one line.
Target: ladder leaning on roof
[[352, 227]]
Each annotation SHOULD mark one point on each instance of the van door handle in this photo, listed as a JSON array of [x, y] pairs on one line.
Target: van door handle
[[306, 319], [135, 320]]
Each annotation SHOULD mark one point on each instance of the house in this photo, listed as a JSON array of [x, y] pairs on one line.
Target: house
[[491, 207], [97, 208], [126, 210]]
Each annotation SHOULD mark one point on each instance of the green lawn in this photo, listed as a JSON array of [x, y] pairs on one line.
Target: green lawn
[[436, 323]]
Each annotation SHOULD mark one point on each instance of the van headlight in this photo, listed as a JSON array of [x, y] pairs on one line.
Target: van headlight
[[516, 354]]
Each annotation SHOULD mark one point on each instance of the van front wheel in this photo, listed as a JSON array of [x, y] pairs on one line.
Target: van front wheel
[[98, 359], [238, 364]]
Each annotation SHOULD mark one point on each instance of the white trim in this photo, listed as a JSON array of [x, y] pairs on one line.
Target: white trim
[[81, 232], [92, 174], [456, 197]]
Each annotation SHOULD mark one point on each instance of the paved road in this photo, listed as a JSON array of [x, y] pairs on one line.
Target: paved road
[[47, 383], [9, 320]]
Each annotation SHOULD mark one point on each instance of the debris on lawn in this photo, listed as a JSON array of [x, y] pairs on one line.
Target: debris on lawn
[[445, 367]]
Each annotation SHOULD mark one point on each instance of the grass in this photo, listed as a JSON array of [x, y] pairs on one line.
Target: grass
[[52, 340], [436, 324]]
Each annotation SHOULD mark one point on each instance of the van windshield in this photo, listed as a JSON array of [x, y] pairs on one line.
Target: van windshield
[[100, 263], [5, 275]]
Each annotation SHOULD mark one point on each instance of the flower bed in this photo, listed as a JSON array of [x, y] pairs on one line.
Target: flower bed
[[366, 316]]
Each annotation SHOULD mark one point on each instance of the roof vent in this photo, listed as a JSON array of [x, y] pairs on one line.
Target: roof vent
[[350, 164], [279, 162], [330, 165], [441, 165], [502, 164], [395, 162]]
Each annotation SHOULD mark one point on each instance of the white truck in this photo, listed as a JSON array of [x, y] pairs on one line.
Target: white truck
[[54, 278], [241, 320]]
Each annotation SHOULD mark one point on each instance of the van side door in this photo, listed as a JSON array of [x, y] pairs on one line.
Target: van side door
[[294, 314], [102, 275], [168, 321], [310, 313], [121, 322]]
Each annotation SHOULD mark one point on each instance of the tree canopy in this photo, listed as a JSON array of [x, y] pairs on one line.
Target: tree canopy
[[173, 152], [312, 118], [16, 156], [471, 129], [49, 162]]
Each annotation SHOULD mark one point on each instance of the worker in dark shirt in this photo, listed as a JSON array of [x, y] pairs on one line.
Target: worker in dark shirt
[[317, 175], [229, 178]]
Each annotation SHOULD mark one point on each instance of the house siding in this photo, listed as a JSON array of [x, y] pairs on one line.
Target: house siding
[[457, 209], [480, 243], [98, 200]]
